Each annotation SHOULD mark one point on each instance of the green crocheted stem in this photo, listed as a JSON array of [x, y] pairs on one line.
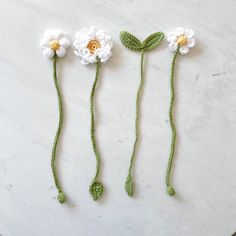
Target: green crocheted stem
[[170, 189], [129, 184], [133, 43], [96, 187], [61, 196]]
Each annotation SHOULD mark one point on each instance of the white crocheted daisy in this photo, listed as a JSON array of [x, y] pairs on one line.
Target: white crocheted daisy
[[181, 38], [91, 43], [54, 42]]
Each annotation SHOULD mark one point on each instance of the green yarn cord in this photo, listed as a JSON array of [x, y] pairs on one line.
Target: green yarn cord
[[134, 44], [61, 196], [129, 184], [170, 189], [96, 187]]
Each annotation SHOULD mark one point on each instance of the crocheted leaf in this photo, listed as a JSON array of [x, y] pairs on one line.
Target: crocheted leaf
[[96, 189], [170, 190], [152, 41], [129, 186], [61, 197], [130, 41]]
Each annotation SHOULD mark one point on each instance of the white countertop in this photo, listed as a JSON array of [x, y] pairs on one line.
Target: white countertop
[[204, 173]]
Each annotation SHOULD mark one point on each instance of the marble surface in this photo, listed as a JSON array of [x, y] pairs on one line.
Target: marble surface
[[205, 166]]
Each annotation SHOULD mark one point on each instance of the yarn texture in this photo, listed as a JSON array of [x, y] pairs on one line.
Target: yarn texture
[[170, 189], [180, 41], [96, 187], [94, 45], [61, 196], [54, 42], [133, 43]]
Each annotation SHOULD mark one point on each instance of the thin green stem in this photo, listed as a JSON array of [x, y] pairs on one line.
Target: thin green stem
[[129, 183], [96, 187], [170, 189], [61, 195], [92, 130]]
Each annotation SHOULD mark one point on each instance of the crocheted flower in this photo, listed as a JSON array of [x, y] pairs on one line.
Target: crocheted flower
[[181, 39], [91, 43], [54, 42]]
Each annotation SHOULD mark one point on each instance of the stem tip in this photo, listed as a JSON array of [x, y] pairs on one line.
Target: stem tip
[[170, 190], [61, 197]]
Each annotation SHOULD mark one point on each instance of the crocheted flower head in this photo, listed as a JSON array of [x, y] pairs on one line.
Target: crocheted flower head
[[54, 42], [181, 39], [91, 43]]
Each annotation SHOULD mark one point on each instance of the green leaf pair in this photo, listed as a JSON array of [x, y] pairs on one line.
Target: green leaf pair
[[133, 43]]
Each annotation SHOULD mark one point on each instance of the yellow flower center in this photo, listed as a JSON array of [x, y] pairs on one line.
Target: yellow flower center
[[93, 45], [182, 40], [54, 45]]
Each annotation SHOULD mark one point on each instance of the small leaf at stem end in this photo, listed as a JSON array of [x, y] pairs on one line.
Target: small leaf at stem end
[[170, 190], [61, 197], [129, 186], [96, 189], [130, 41], [152, 41]]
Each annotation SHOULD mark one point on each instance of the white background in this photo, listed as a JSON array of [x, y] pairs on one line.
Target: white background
[[204, 173]]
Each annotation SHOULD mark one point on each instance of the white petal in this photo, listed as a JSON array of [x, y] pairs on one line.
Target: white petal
[[84, 62], [82, 39], [191, 43], [107, 37], [48, 35], [91, 32], [104, 53], [57, 34], [85, 52], [92, 60], [173, 46], [99, 53], [64, 42], [184, 50], [48, 53], [100, 34], [80, 44], [179, 31], [105, 59], [103, 43], [76, 53], [171, 37], [44, 43], [189, 33], [61, 52]]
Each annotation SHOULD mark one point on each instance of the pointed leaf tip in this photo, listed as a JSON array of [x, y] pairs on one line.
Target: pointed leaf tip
[[129, 186], [130, 41], [152, 41], [96, 189]]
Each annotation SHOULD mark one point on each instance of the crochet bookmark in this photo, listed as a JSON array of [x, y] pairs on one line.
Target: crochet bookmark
[[54, 45], [133, 43], [94, 46], [180, 41]]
